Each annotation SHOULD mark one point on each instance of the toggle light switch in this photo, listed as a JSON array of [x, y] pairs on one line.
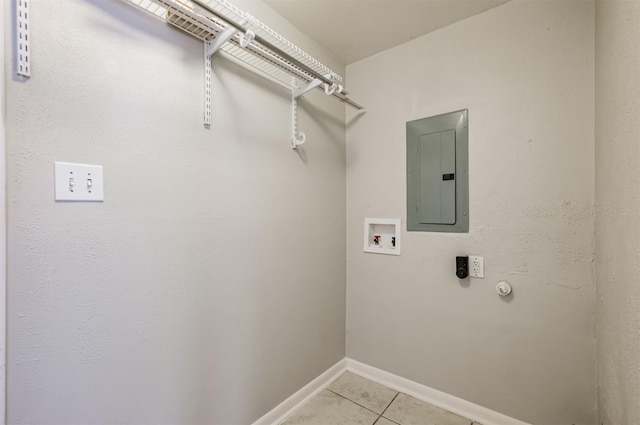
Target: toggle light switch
[[78, 182]]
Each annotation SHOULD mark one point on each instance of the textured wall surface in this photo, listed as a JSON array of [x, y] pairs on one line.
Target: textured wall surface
[[525, 71], [3, 228], [210, 284], [618, 210]]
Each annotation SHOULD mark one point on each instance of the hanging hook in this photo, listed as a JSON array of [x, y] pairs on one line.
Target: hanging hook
[[298, 139], [246, 38], [333, 88], [329, 90]]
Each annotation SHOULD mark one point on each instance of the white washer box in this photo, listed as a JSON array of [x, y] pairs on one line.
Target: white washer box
[[382, 235]]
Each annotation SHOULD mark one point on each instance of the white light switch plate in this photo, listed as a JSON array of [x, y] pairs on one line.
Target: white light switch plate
[[78, 182]]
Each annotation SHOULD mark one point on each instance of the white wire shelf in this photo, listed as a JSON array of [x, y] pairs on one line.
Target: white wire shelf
[[243, 38], [269, 53]]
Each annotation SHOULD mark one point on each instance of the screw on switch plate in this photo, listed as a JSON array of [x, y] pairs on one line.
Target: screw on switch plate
[[78, 182], [476, 266]]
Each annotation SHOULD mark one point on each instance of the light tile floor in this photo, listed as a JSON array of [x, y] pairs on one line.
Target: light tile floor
[[353, 400]]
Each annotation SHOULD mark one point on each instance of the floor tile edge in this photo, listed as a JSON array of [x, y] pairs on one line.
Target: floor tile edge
[[285, 409], [438, 398]]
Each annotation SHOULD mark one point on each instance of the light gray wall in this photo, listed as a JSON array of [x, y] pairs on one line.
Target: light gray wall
[[617, 210], [3, 229], [210, 284], [525, 71]]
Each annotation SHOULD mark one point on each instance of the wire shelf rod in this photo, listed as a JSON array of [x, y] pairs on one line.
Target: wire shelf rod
[[228, 9], [270, 46], [206, 29]]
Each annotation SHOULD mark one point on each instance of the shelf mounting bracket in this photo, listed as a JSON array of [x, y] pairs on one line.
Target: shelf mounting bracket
[[23, 65], [299, 91], [297, 137], [207, 87], [210, 48], [215, 44]]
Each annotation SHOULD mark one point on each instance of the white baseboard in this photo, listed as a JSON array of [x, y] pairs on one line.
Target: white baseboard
[[285, 409], [443, 400]]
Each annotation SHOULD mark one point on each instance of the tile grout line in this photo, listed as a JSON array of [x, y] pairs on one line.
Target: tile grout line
[[383, 417], [358, 404], [392, 400], [388, 405], [354, 402]]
